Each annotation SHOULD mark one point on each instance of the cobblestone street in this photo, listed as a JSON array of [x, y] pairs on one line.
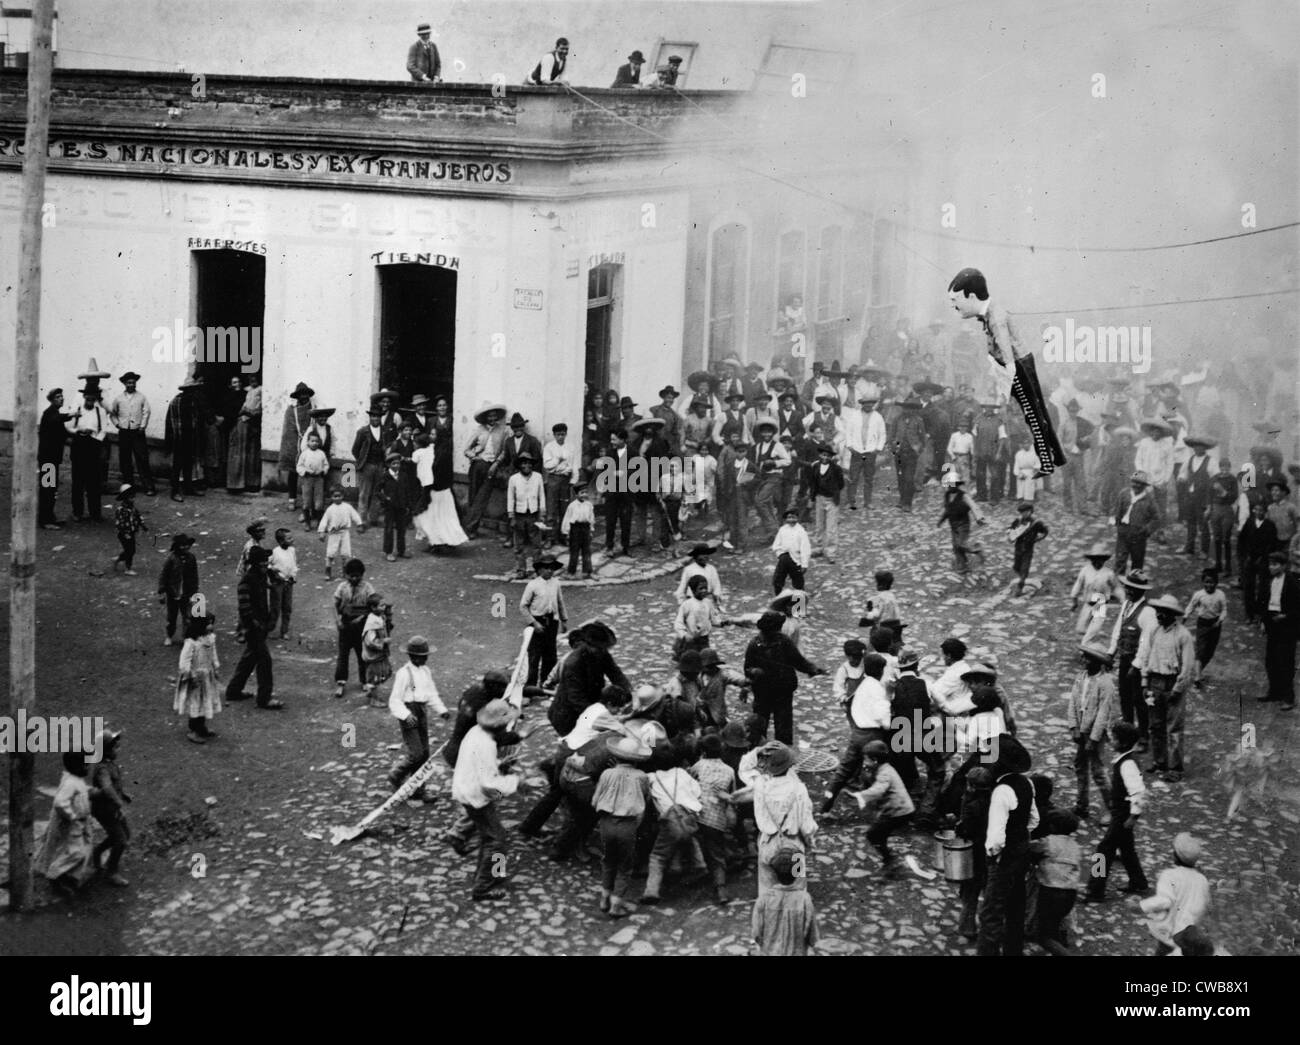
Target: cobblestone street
[[231, 851]]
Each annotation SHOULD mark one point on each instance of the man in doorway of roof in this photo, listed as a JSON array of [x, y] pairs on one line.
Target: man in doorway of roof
[[422, 60]]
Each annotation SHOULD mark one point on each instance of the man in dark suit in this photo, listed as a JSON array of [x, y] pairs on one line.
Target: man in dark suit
[[1281, 603], [50, 441], [612, 482], [422, 60], [824, 482], [368, 457], [629, 75]]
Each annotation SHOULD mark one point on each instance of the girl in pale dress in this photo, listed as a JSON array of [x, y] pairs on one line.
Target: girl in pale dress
[[198, 688], [64, 855], [439, 523], [1096, 578]]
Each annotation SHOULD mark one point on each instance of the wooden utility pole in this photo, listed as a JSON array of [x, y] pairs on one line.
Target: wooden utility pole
[[22, 593]]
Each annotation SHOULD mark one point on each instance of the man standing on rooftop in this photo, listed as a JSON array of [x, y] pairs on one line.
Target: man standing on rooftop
[[422, 60], [550, 67]]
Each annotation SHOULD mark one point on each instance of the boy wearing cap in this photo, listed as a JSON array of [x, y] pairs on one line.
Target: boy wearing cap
[[1128, 795], [579, 518], [1090, 713], [395, 496], [715, 677], [1181, 901], [479, 780], [542, 605], [414, 692], [178, 581], [1166, 661]]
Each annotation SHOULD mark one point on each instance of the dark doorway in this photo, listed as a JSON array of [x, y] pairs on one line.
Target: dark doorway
[[229, 302], [417, 329], [600, 371]]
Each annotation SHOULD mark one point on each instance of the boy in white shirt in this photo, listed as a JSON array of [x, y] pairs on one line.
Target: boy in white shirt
[[336, 529], [525, 506], [697, 616], [699, 566], [793, 552], [575, 527], [542, 605], [961, 448], [413, 693], [313, 466], [282, 572], [560, 460], [701, 480]]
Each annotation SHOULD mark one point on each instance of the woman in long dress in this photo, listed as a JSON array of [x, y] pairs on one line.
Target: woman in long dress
[[439, 523], [244, 462]]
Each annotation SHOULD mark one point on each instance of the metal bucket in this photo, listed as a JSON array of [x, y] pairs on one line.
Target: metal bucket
[[941, 840], [958, 860]]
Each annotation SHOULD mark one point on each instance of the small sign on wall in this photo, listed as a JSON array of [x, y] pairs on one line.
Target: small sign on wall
[[530, 300]]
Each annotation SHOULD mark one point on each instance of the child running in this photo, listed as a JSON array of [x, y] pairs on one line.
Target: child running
[[1024, 533], [1207, 610]]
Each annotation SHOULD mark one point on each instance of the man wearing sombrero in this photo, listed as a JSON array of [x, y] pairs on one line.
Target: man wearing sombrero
[[1016, 372], [1155, 457], [1133, 628], [483, 451], [1167, 664], [768, 459]]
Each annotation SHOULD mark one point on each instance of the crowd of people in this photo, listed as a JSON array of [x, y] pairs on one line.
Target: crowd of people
[[677, 779]]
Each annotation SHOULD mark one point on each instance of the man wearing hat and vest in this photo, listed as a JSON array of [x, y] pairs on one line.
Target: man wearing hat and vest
[[255, 622], [629, 75], [422, 60], [130, 413], [1133, 626], [768, 460], [297, 418], [1195, 478], [1280, 604], [483, 451], [1013, 814], [51, 437], [1137, 517], [1128, 796], [88, 427], [1167, 663]]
